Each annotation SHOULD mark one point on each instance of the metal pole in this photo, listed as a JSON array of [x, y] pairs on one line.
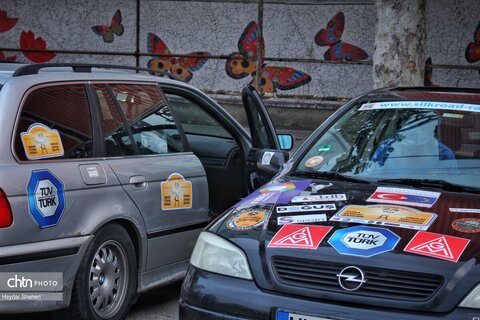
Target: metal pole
[[260, 53], [137, 50]]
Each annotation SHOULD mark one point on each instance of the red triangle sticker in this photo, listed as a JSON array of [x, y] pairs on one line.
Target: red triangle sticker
[[437, 245], [299, 236]]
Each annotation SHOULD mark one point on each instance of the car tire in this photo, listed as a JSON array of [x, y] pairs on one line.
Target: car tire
[[106, 281]]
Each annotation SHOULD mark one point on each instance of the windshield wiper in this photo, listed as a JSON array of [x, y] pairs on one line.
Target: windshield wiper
[[440, 184], [329, 176]]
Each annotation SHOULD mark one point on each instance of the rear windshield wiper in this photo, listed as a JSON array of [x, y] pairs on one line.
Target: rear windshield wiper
[[329, 176], [440, 184]]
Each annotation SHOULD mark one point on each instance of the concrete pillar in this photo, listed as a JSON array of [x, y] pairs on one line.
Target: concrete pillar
[[398, 56]]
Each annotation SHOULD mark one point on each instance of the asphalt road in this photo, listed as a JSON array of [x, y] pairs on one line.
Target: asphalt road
[[160, 303]]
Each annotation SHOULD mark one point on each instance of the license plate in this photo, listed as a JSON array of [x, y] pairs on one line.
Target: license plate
[[283, 315]]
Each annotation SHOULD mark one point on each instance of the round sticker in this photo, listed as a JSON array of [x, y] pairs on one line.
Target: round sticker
[[468, 225], [313, 161], [246, 219]]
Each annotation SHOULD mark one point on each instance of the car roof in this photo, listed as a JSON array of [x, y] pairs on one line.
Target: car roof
[[75, 71], [443, 94]]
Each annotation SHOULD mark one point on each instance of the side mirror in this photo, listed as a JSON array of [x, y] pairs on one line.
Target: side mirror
[[285, 141], [271, 161]]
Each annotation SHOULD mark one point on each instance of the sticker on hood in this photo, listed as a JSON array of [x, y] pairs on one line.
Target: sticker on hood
[[464, 210], [363, 241], [408, 197], [298, 236], [305, 218], [385, 215], [467, 225], [319, 198], [313, 207], [272, 193], [437, 245], [247, 219]]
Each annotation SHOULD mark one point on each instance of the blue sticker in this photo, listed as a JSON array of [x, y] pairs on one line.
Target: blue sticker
[[363, 241], [46, 198]]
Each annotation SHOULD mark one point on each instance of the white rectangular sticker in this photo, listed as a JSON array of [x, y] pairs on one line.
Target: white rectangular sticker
[[464, 210], [306, 218], [408, 197], [420, 105], [313, 207], [319, 198]]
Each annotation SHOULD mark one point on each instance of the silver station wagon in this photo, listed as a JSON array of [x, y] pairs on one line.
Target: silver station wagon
[[107, 178]]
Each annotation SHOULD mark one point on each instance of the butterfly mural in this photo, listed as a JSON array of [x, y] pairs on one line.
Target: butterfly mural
[[3, 57], [6, 23], [427, 82], [181, 67], [29, 42], [244, 63], [115, 28], [472, 53], [338, 50]]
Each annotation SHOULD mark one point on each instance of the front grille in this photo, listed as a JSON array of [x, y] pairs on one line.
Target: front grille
[[381, 283]]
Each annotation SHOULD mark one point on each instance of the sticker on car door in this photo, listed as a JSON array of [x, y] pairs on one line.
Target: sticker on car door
[[176, 193]]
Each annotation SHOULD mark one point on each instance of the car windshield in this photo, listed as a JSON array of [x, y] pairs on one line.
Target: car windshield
[[425, 141]]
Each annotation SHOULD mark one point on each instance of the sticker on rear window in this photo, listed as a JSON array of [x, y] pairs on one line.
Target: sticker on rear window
[[420, 105], [41, 142], [176, 193], [385, 215]]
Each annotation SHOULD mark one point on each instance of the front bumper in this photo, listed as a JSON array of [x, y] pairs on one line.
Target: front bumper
[[61, 255], [210, 296]]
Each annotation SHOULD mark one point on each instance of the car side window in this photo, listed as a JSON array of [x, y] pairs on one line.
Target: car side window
[[55, 122], [194, 119], [150, 122]]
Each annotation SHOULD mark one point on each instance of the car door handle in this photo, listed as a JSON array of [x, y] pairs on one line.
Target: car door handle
[[139, 182]]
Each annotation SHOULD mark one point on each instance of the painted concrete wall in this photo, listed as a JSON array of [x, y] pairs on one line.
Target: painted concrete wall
[[289, 32]]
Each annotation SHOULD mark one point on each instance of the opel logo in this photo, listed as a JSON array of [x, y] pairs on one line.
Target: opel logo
[[351, 278]]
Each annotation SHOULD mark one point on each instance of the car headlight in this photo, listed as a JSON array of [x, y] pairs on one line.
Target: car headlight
[[215, 254], [472, 300]]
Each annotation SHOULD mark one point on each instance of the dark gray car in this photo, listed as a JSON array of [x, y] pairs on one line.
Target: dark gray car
[[108, 177]]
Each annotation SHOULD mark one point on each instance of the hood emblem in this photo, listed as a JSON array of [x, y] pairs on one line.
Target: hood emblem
[[351, 278]]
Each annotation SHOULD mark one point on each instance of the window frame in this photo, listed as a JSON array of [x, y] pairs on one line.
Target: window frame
[[101, 137], [94, 123]]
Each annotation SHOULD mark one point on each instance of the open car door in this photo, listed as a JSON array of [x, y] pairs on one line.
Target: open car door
[[268, 153]]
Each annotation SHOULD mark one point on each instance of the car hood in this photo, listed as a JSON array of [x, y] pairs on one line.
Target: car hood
[[416, 248]]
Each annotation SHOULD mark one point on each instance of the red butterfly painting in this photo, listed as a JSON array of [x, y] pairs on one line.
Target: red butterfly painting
[[180, 67], [28, 41], [6, 23], [3, 57], [427, 82], [243, 63], [339, 50], [472, 53], [115, 28]]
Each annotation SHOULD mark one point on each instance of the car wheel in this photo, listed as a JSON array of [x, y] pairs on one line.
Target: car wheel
[[106, 281]]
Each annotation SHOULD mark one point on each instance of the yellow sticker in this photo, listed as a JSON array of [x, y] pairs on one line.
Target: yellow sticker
[[176, 193], [313, 161], [386, 215], [247, 219], [40, 142]]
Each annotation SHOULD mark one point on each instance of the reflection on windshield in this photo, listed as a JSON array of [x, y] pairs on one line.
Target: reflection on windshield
[[400, 143]]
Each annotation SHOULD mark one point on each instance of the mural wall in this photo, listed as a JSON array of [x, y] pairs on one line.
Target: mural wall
[[318, 50]]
